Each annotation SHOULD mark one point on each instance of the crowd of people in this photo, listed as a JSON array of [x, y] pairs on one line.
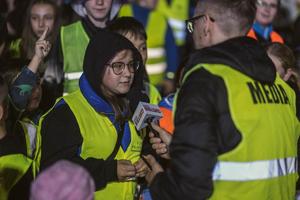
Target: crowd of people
[[224, 73]]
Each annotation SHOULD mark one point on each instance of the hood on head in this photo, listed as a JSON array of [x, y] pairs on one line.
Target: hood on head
[[243, 54], [78, 7]]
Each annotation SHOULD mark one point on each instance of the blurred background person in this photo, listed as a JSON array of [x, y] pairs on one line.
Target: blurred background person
[[262, 29], [162, 49], [63, 180], [74, 38], [42, 15]]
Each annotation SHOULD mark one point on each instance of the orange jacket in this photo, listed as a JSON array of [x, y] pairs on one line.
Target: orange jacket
[[275, 37]]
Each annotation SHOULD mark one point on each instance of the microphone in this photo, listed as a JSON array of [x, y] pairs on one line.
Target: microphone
[[144, 114]]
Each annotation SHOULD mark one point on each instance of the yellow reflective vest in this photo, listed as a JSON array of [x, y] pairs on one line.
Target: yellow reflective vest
[[156, 31], [99, 139], [74, 41], [177, 12], [12, 168], [264, 164]]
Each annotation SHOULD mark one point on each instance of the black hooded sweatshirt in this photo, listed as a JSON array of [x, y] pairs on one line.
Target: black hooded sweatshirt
[[61, 137], [204, 128]]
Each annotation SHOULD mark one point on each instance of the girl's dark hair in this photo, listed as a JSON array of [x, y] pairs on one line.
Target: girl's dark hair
[[124, 25], [28, 36]]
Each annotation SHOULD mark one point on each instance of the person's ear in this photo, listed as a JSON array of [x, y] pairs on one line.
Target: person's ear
[[206, 26]]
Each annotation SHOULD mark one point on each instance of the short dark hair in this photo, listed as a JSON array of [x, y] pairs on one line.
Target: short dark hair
[[233, 16], [284, 54], [124, 25]]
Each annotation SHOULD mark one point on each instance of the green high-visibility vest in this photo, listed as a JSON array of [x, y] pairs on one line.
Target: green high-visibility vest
[[12, 168], [264, 164], [99, 139], [177, 12], [15, 49], [29, 131], [74, 41], [156, 30]]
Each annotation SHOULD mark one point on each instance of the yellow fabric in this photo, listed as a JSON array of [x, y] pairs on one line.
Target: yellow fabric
[[12, 168], [178, 10], [74, 41], [154, 94], [270, 125], [14, 48], [99, 139], [24, 123]]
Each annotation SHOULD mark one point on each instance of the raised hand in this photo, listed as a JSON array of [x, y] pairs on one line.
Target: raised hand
[[42, 46], [160, 144]]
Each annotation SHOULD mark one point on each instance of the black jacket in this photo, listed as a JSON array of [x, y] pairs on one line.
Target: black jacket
[[203, 126]]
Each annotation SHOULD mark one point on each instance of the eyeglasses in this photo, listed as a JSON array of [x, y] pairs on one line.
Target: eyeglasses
[[190, 23], [266, 5], [118, 67]]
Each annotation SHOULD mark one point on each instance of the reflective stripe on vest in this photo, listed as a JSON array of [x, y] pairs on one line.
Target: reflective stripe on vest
[[156, 52], [74, 41], [156, 68], [99, 139], [248, 171], [73, 75]]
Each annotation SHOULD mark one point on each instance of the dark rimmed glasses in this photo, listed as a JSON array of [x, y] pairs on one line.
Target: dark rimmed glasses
[[118, 67], [191, 22]]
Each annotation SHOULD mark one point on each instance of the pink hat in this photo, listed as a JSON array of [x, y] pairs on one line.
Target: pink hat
[[63, 181]]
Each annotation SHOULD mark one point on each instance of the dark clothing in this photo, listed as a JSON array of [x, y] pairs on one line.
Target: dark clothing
[[204, 128], [13, 144], [61, 124]]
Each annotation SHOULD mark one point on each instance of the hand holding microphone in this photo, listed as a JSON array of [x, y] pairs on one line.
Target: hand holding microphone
[[146, 115]]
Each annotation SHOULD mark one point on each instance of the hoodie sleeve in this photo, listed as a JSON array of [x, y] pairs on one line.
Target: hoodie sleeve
[[62, 140]]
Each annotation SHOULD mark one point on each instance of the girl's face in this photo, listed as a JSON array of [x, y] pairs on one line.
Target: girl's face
[[42, 16], [117, 81], [266, 11], [140, 43]]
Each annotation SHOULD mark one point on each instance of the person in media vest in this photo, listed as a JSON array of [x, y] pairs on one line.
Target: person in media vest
[[236, 128]]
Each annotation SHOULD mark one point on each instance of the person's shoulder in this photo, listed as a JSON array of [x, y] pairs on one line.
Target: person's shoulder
[[71, 26], [60, 112]]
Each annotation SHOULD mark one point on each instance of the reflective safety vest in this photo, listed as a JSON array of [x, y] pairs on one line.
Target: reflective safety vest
[[29, 129], [74, 41], [99, 139], [12, 169], [15, 49], [156, 30], [177, 12], [275, 37], [153, 93], [264, 164]]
